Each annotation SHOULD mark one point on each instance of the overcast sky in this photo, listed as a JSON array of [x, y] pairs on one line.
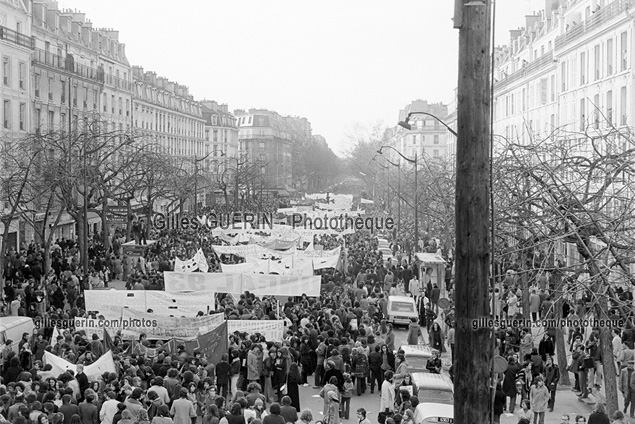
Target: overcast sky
[[340, 63]]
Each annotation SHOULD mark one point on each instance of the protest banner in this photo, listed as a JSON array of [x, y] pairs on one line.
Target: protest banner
[[110, 303], [93, 371], [259, 284], [212, 345], [273, 330], [162, 327], [176, 282]]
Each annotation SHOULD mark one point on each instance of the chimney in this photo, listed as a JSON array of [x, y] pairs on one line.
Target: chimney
[[530, 21]]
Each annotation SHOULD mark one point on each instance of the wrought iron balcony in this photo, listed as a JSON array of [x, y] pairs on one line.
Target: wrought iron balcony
[[16, 38], [58, 62]]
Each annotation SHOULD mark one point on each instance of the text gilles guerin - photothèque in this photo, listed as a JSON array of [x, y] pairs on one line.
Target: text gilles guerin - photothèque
[[238, 220]]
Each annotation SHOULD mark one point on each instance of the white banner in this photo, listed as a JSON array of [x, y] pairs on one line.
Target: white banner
[[110, 303], [272, 330], [281, 285], [239, 268], [180, 304], [259, 284], [176, 282], [158, 327], [93, 371]]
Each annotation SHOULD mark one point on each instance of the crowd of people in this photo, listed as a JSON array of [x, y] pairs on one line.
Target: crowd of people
[[340, 339]]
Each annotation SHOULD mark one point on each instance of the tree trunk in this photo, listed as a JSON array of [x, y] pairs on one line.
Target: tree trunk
[[83, 248], [561, 351], [3, 249], [608, 361], [105, 225], [474, 348], [524, 284], [128, 219]]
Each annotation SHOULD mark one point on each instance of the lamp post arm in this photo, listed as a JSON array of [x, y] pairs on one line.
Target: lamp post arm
[[432, 116], [414, 161]]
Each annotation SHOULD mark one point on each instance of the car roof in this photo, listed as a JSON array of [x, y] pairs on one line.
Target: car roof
[[427, 410], [401, 299], [416, 350], [432, 381]]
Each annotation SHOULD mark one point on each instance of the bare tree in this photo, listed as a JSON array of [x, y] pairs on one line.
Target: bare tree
[[573, 188]]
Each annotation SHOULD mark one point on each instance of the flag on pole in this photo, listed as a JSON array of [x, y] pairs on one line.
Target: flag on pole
[[211, 345], [107, 341], [56, 333]]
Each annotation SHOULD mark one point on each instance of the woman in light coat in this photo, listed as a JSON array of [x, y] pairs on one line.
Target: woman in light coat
[[539, 395]]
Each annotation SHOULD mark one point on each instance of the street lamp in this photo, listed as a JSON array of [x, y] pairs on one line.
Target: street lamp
[[414, 162], [398, 187], [406, 125]]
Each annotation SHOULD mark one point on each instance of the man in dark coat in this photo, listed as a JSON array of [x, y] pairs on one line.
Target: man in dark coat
[[82, 380]]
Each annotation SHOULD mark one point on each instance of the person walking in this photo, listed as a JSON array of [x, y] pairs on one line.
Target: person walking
[[539, 396], [625, 387], [552, 377], [387, 393], [414, 332]]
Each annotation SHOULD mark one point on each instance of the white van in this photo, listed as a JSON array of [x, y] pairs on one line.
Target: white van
[[12, 328], [401, 309]]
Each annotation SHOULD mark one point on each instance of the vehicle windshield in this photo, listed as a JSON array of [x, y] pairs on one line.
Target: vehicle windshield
[[402, 307], [436, 396]]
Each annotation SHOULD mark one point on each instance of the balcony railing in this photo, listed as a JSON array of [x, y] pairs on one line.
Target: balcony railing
[[52, 60], [537, 64], [16, 38], [600, 17]]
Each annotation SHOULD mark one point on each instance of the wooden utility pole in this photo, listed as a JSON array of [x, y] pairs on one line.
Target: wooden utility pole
[[474, 347]]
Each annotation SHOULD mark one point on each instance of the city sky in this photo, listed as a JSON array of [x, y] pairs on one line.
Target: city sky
[[344, 65]]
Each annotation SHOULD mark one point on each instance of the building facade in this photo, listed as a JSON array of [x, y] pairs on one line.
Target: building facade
[[16, 48], [568, 75], [166, 112], [267, 138], [428, 137]]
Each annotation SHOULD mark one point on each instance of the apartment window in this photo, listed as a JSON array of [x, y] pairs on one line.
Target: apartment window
[[563, 75], [22, 75], [435, 153], [120, 105], [623, 103], [215, 135], [51, 121], [128, 108], [582, 115], [63, 92], [436, 139], [596, 62], [543, 91], [553, 88], [596, 112], [112, 104], [609, 108], [6, 114], [105, 102], [582, 68], [38, 118], [62, 121], [51, 89], [22, 116], [95, 99], [512, 102], [523, 101], [74, 96], [609, 56], [414, 138], [623, 51], [6, 70]]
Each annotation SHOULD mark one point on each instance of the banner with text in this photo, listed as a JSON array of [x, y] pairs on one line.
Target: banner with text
[[259, 284], [111, 303], [272, 330]]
